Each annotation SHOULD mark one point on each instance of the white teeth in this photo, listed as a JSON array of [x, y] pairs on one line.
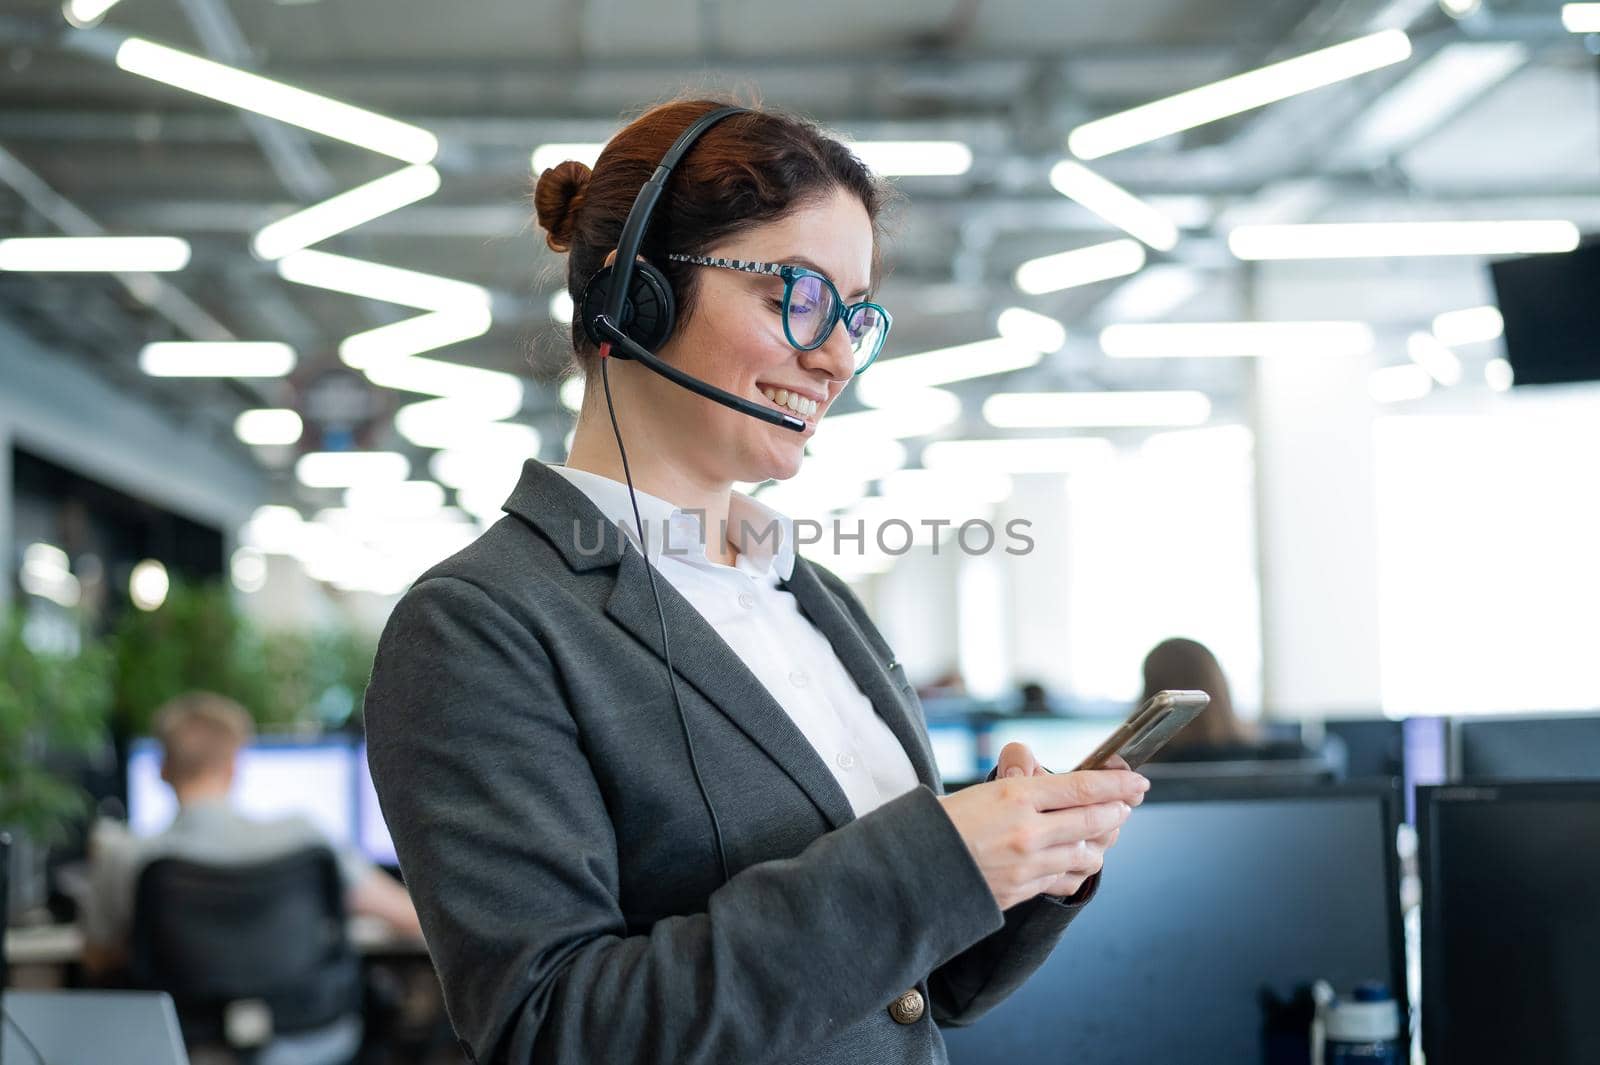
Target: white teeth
[[793, 400]]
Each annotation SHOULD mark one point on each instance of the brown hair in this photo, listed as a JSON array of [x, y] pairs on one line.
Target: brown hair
[[744, 171], [200, 732], [1185, 665]]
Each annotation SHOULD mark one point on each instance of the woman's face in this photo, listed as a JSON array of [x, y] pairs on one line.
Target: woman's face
[[735, 340]]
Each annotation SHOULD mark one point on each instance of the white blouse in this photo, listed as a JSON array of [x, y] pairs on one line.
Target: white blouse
[[764, 626]]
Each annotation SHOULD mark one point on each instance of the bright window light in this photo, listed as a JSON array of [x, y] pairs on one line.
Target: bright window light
[[413, 336], [1497, 375], [345, 469], [1032, 329], [1081, 266], [1437, 89], [148, 585], [153, 255], [432, 377], [1237, 94], [86, 13], [285, 103], [551, 155], [375, 281], [1036, 455], [1397, 384], [887, 383], [1223, 339], [1361, 240], [1095, 410], [1114, 204], [1472, 325], [1441, 364], [207, 358], [345, 211], [268, 427], [1581, 18], [914, 158]]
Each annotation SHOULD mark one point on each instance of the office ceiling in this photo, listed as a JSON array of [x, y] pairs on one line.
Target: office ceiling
[[82, 141]]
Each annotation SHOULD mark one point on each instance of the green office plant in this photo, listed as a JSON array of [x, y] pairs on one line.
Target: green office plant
[[51, 704]]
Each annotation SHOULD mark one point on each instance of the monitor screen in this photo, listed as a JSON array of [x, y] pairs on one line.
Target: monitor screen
[[1552, 319], [1372, 746], [274, 778], [955, 751], [1058, 743], [1535, 747], [1207, 905], [1510, 923], [373, 830]]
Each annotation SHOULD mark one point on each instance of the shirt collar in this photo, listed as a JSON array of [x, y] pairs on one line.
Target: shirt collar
[[763, 537]]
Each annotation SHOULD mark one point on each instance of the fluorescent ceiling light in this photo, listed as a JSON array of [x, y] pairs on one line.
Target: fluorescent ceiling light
[[342, 469], [851, 460], [217, 358], [86, 13], [1152, 293], [1396, 384], [1442, 364], [268, 427], [408, 499], [431, 377], [1497, 375], [916, 412], [914, 158], [426, 332], [571, 394], [1430, 94], [375, 281], [426, 428], [148, 585], [353, 125], [435, 422], [94, 254], [476, 471], [1035, 455], [1460, 9], [1031, 329], [1114, 204], [46, 572], [1473, 325], [1224, 339], [1581, 18], [248, 568], [551, 155], [890, 383], [1243, 92], [345, 211], [966, 486], [1095, 410], [561, 307], [1357, 240], [1081, 266]]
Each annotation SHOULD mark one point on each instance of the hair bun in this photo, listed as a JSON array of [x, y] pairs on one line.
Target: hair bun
[[557, 198]]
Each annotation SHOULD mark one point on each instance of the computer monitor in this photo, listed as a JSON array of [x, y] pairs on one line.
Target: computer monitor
[[1059, 743], [1211, 900], [955, 750], [1530, 747], [1510, 922], [1426, 741], [84, 1027], [274, 778], [1373, 746], [372, 831]]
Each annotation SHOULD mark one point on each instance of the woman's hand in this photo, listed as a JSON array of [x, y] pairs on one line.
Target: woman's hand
[[1033, 831]]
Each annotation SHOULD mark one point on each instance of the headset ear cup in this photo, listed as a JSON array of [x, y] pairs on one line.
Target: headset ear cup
[[647, 313]]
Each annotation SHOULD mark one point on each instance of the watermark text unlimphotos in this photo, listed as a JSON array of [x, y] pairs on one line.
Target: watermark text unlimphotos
[[838, 536]]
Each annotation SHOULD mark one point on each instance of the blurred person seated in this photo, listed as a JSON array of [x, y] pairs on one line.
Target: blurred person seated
[[1217, 735], [200, 735], [1035, 700]]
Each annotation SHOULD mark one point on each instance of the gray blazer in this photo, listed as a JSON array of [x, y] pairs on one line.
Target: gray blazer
[[534, 775]]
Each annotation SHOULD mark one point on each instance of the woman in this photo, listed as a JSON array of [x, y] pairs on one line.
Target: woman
[[563, 840]]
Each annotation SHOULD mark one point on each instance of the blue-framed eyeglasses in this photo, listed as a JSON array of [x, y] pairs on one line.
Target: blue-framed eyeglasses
[[812, 307]]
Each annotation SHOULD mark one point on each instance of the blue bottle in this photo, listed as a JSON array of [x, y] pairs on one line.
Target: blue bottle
[[1364, 1029]]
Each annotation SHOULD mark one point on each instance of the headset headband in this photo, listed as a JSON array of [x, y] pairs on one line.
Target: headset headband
[[639, 216]]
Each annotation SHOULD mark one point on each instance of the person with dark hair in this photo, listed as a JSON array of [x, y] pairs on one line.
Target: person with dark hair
[[1188, 665], [757, 862]]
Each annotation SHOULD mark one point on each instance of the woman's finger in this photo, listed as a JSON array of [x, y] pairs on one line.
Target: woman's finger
[[1016, 760]]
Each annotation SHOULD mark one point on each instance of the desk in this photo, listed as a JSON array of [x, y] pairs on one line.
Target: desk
[[62, 944]]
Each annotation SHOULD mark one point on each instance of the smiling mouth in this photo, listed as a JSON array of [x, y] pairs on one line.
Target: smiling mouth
[[807, 410]]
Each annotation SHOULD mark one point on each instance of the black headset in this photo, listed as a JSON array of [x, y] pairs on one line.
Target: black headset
[[629, 308]]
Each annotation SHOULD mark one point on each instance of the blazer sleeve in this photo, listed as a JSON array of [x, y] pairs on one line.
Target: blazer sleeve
[[506, 844], [981, 977]]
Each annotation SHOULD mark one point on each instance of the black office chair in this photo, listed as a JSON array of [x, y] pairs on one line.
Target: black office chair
[[249, 953]]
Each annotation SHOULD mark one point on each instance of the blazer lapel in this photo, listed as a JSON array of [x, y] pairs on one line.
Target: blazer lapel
[[861, 661], [702, 658]]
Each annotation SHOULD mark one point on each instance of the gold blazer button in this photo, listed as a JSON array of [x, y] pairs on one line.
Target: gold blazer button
[[908, 1008]]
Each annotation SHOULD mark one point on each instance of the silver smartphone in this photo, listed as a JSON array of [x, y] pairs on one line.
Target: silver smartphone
[[1148, 728]]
